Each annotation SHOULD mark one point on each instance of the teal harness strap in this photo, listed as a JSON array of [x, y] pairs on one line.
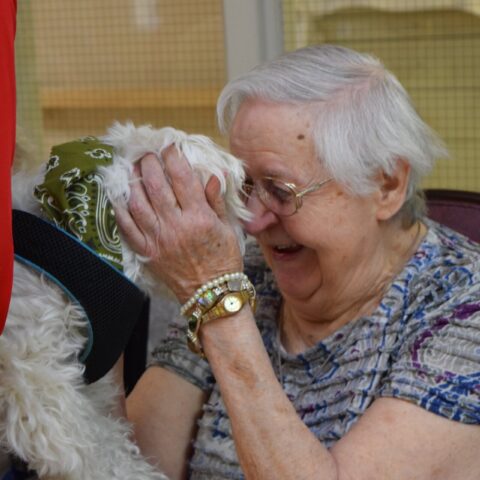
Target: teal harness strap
[[112, 303]]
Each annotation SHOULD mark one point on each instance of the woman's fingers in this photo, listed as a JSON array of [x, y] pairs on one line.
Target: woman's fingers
[[178, 224], [140, 223], [215, 199], [132, 233], [156, 187], [138, 203], [186, 186]]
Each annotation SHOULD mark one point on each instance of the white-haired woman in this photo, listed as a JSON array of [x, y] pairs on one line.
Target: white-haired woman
[[362, 360]]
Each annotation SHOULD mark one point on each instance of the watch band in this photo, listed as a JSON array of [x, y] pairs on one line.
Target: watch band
[[220, 310], [222, 300]]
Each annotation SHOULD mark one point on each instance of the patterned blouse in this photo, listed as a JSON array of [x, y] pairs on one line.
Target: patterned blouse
[[422, 344]]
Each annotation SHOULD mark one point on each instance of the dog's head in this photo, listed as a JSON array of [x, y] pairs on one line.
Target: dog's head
[[207, 159], [75, 190]]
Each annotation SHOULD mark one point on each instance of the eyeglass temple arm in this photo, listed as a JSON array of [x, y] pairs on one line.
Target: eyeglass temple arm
[[312, 188]]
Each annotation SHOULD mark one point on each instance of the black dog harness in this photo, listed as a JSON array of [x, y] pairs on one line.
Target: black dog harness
[[112, 303]]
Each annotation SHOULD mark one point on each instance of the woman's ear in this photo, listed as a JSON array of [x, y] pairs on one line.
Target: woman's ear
[[392, 190]]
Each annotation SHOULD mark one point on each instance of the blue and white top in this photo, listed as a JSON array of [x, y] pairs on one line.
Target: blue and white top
[[422, 344]]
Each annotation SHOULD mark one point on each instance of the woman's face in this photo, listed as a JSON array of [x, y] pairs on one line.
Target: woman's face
[[324, 248]]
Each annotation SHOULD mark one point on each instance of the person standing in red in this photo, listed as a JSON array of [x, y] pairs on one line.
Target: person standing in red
[[8, 10]]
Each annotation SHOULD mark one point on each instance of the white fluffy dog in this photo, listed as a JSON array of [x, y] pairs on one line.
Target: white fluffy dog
[[61, 427]]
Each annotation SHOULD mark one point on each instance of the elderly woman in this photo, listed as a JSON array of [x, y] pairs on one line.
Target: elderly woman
[[362, 360]]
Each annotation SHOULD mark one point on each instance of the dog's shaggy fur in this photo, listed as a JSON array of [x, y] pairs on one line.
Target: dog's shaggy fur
[[61, 427]]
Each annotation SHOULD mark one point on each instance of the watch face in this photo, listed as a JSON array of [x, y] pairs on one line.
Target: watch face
[[232, 303]]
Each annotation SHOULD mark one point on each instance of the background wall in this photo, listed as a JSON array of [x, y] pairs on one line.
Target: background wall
[[82, 65], [431, 46]]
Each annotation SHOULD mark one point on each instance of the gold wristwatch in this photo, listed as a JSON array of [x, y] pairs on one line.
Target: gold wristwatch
[[229, 304], [220, 301]]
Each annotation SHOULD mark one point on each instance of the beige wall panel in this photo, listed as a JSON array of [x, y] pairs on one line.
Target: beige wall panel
[[174, 43], [434, 53], [159, 62]]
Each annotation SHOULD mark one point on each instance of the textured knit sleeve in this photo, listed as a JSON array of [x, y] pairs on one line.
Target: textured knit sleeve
[[437, 364], [173, 354]]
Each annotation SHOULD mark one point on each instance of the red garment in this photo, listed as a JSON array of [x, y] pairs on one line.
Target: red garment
[[8, 12]]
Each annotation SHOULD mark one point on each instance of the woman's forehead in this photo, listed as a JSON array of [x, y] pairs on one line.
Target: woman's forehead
[[275, 140], [258, 118]]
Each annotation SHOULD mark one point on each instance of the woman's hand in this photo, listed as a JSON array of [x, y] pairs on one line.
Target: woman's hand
[[178, 224]]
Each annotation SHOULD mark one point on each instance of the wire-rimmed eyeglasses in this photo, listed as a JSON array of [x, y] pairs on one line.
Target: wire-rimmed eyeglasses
[[282, 198]]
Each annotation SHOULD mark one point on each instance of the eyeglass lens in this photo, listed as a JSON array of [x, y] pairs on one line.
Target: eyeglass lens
[[274, 194]]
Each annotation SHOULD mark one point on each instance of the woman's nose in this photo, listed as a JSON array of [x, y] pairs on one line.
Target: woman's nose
[[262, 217]]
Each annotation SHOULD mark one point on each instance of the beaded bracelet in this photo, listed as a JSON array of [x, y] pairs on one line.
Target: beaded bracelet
[[206, 298], [198, 318], [209, 286]]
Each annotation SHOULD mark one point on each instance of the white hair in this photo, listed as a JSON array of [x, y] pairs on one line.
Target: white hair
[[364, 121]]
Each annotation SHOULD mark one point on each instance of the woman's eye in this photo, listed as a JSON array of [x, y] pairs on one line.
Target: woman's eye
[[247, 186], [278, 191]]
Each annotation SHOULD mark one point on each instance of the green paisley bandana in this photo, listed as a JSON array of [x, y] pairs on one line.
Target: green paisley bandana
[[73, 196]]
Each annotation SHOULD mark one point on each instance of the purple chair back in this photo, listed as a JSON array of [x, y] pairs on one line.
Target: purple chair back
[[456, 209]]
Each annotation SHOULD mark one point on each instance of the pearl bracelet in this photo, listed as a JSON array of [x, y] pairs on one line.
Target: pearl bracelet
[[203, 306], [208, 286]]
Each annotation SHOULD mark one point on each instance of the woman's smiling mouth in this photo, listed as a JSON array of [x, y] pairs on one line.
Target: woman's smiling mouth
[[286, 250]]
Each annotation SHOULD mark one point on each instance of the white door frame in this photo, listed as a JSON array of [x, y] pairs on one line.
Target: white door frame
[[253, 33]]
